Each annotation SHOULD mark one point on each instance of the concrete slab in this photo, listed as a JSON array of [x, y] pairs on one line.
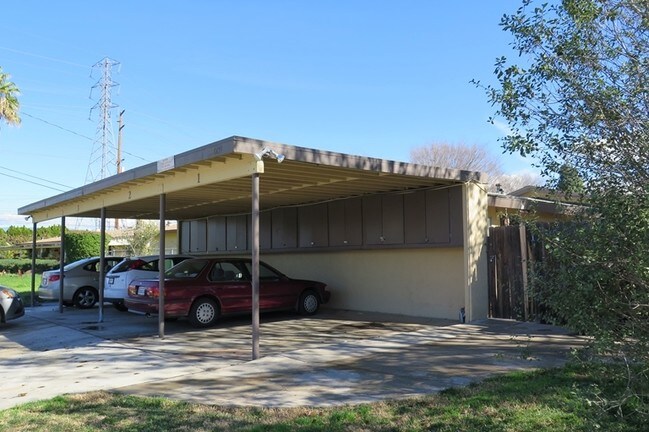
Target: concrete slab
[[334, 358]]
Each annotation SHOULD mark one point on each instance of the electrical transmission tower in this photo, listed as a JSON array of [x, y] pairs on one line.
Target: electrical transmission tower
[[103, 156]]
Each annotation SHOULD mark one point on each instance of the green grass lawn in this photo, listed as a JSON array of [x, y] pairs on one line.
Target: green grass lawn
[[21, 283], [550, 400]]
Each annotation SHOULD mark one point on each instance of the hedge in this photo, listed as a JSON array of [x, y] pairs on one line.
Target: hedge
[[83, 244], [24, 265]]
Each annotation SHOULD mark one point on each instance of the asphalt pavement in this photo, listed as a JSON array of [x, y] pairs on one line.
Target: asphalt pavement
[[336, 357]]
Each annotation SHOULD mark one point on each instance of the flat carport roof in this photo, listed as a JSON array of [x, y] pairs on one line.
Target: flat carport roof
[[214, 180], [223, 178]]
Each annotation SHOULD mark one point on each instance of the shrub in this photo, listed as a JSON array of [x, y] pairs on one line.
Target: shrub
[[82, 244], [16, 266]]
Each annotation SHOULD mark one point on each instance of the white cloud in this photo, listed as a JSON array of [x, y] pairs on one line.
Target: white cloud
[[8, 219]]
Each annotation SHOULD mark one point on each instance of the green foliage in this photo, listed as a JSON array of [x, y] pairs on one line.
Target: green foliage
[[82, 244], [578, 101], [579, 96], [48, 232], [596, 280], [569, 181], [18, 266], [16, 234], [9, 105], [143, 241]]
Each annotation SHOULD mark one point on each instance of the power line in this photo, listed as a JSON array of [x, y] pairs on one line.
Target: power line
[[56, 126], [43, 57], [78, 134], [32, 182], [136, 156], [33, 176]]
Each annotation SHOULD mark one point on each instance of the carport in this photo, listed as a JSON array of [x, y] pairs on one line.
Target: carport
[[219, 193]]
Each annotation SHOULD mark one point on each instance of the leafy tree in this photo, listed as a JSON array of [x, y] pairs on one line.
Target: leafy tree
[[18, 234], [579, 97], [9, 104], [569, 181], [143, 241], [48, 231]]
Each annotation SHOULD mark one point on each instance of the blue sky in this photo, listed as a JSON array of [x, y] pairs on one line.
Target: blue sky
[[361, 77]]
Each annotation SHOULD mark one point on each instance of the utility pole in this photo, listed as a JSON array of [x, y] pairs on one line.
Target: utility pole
[[118, 162]]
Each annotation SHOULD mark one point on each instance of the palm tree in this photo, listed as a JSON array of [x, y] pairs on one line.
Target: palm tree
[[8, 101]]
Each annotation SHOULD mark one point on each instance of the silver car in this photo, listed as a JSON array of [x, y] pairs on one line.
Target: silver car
[[11, 305], [145, 267], [81, 286]]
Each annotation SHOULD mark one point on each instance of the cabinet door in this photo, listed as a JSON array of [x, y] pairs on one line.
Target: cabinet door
[[237, 233], [185, 236], [414, 216], [455, 216], [383, 219], [437, 216], [265, 230], [313, 226], [216, 234], [372, 220], [392, 219], [198, 236], [284, 231], [345, 222]]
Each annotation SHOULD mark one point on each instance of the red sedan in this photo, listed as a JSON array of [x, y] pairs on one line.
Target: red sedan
[[202, 289]]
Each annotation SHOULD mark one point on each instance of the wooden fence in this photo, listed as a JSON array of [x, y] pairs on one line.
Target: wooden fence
[[511, 250]]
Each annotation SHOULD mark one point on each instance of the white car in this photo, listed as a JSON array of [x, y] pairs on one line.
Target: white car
[[120, 276], [11, 305], [81, 285]]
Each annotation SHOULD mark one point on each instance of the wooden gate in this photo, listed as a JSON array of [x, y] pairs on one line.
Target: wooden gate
[[510, 252]]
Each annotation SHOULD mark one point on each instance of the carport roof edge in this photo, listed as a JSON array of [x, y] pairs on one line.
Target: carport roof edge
[[341, 167]]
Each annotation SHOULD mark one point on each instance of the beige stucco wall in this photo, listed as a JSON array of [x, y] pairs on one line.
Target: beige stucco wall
[[417, 282], [476, 226], [171, 241]]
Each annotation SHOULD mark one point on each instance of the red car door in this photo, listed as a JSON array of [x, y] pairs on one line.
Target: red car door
[[232, 286], [276, 291]]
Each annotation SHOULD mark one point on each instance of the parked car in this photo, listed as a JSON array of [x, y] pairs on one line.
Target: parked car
[[81, 284], [11, 305], [202, 289], [120, 276]]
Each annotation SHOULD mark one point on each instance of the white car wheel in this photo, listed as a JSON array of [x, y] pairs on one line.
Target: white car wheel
[[309, 303], [204, 312]]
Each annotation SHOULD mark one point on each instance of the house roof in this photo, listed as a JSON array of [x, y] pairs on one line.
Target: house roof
[[47, 243], [215, 180], [527, 203], [535, 192]]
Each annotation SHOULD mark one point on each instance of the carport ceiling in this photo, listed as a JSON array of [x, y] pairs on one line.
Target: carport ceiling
[[216, 180]]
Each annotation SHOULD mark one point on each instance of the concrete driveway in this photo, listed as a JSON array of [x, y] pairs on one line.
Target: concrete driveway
[[333, 358]]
